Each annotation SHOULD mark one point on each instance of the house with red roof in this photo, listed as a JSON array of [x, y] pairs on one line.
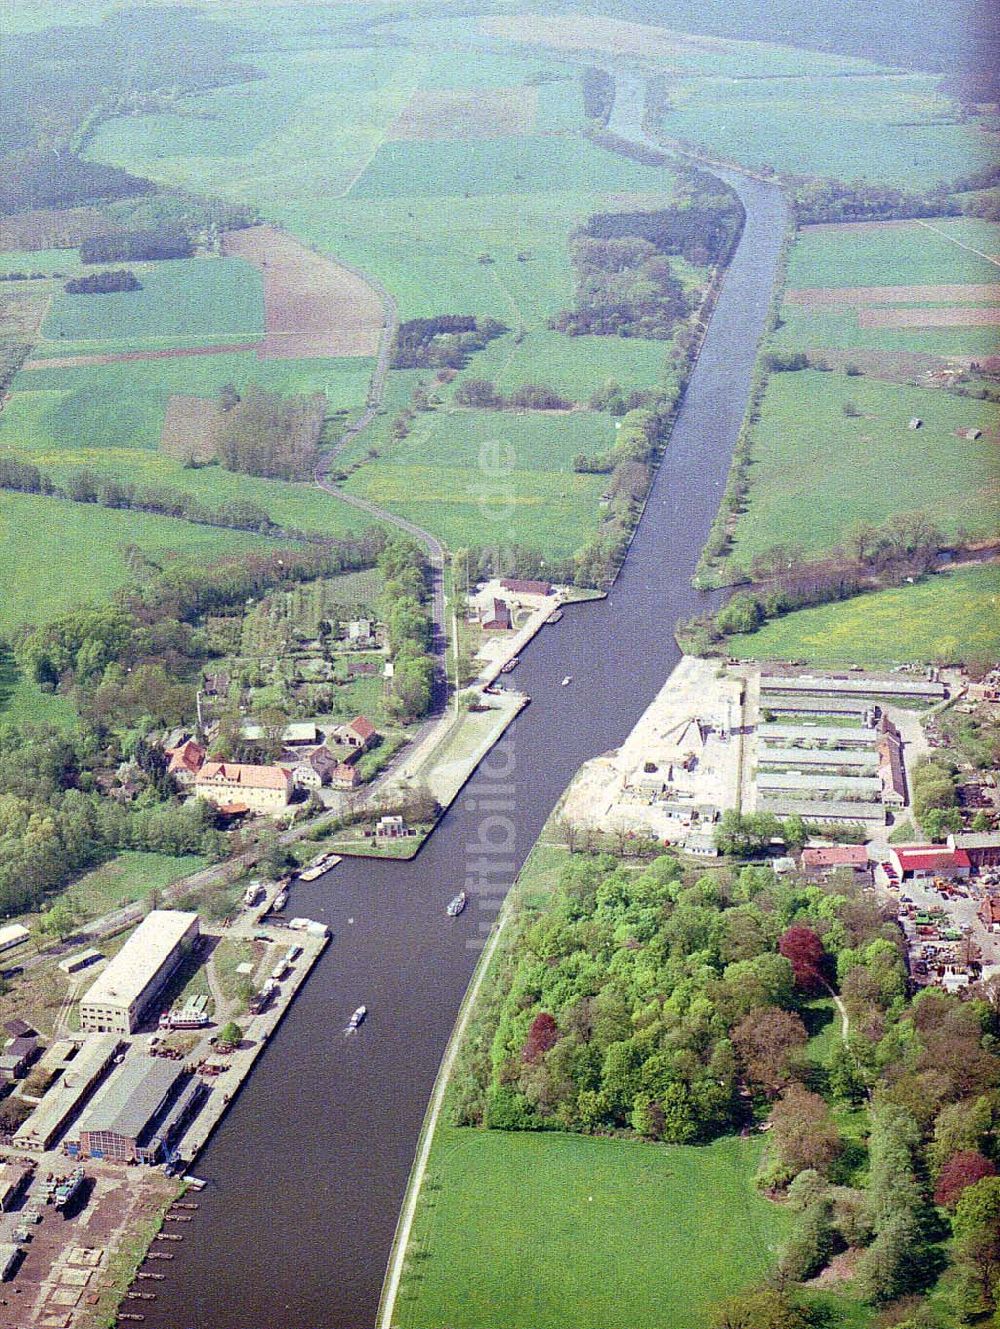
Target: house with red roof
[[922, 862], [231, 784], [360, 734], [185, 762]]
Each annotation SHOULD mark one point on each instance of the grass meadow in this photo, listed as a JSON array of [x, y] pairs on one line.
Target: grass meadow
[[550, 1230], [131, 875], [952, 616], [911, 253], [56, 555], [122, 405], [486, 476], [816, 473], [185, 301], [897, 130]]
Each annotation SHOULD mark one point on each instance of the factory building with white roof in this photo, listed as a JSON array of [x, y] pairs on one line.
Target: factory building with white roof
[[121, 996]]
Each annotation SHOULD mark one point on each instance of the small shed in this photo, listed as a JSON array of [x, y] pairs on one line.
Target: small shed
[[972, 434], [915, 422]]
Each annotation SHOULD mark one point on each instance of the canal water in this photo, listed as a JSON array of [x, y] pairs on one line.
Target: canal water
[[308, 1169]]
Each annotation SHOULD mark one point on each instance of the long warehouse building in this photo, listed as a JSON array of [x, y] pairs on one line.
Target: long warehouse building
[[121, 996]]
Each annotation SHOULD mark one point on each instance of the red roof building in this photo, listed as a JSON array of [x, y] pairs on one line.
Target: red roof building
[[517, 587], [186, 761], [360, 733], [835, 856], [918, 861]]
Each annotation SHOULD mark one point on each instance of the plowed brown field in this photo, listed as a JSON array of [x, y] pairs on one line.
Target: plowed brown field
[[313, 306]]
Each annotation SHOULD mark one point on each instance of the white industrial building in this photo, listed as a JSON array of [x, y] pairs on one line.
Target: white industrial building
[[120, 997]]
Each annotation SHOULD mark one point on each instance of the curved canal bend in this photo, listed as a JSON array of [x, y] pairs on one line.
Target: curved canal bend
[[309, 1167]]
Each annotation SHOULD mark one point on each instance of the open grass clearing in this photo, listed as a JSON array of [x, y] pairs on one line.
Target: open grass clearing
[[23, 702], [551, 1230], [815, 473], [56, 555], [840, 330], [952, 616], [482, 476], [859, 297]]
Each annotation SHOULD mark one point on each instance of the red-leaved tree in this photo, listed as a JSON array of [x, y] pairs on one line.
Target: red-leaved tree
[[963, 1169], [805, 950], [543, 1034]]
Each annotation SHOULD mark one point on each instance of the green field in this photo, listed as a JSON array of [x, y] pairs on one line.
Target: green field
[[122, 405], [554, 1230], [895, 253], [953, 616], [815, 474], [23, 702], [838, 330], [896, 130], [132, 875], [186, 301], [55, 555], [486, 476]]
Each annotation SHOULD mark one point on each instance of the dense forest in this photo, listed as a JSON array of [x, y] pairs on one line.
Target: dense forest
[[625, 285], [444, 342], [103, 283], [137, 246], [675, 1005]]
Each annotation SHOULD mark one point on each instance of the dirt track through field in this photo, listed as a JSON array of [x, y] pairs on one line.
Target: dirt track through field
[[819, 297], [313, 306], [929, 318]]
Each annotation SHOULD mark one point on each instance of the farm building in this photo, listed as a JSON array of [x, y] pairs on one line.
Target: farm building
[[68, 1094], [186, 761], [823, 857], [233, 786], [807, 758], [345, 775], [314, 771], [915, 422], [865, 787], [360, 734], [74, 963], [13, 1180], [299, 734], [120, 997], [922, 862], [17, 1056], [120, 1122], [891, 771]]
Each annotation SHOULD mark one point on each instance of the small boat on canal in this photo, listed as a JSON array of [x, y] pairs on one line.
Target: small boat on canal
[[354, 1023]]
